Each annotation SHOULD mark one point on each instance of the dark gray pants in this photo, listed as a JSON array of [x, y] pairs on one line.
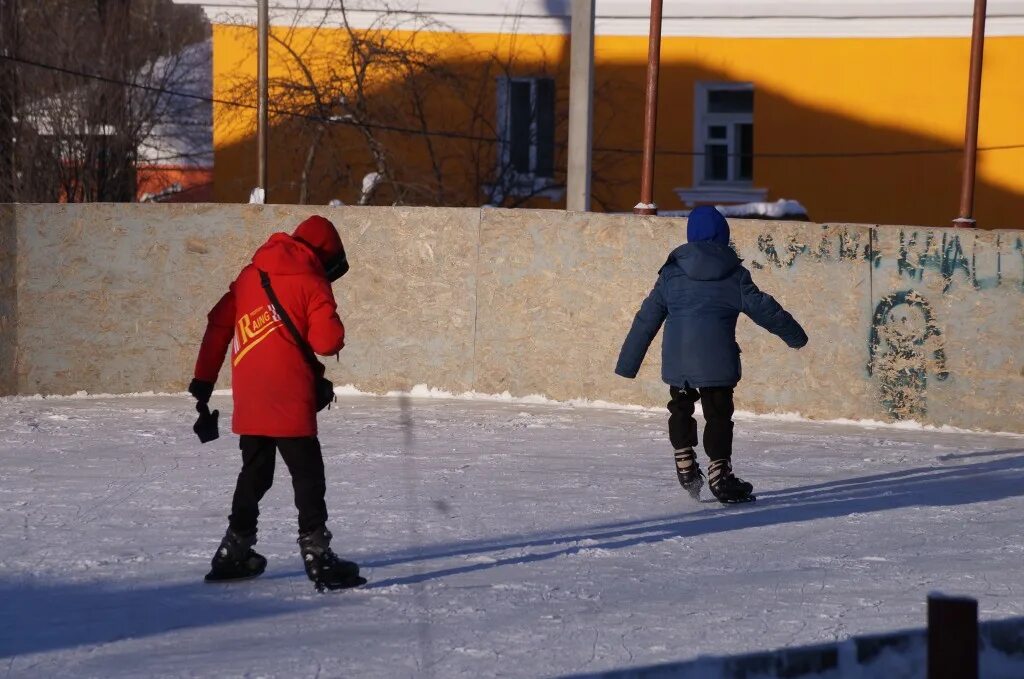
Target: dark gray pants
[[306, 466], [718, 409]]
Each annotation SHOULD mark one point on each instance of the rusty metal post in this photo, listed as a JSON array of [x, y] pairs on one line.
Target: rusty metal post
[[646, 206], [952, 637], [261, 104], [966, 217]]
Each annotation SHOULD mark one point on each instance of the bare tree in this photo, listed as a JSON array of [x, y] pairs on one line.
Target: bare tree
[[345, 92], [94, 81], [401, 111], [497, 177], [9, 41]]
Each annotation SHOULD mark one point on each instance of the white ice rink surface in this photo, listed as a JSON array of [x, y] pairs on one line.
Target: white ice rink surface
[[499, 540]]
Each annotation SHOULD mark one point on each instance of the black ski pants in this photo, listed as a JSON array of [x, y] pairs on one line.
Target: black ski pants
[[718, 409], [306, 466]]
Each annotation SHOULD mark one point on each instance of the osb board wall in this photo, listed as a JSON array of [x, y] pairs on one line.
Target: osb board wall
[[819, 274], [409, 302], [947, 331], [924, 324], [113, 299], [557, 295], [8, 300]]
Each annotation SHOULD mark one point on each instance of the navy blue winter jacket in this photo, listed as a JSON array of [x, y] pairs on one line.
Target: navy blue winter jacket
[[700, 292]]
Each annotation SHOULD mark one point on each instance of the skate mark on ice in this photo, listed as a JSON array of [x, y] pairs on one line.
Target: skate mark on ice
[[930, 486]]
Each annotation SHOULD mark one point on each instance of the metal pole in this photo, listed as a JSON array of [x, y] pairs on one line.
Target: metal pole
[[581, 106], [261, 104], [952, 638], [966, 217], [646, 205]]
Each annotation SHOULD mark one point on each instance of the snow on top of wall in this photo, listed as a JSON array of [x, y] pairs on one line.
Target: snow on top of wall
[[427, 392], [780, 209]]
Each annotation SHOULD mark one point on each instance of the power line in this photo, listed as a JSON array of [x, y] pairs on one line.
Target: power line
[[818, 154], [448, 134], [241, 104], [390, 11]]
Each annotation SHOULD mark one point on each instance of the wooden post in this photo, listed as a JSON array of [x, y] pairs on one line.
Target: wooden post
[[952, 638], [581, 107], [646, 206], [262, 28], [966, 217]]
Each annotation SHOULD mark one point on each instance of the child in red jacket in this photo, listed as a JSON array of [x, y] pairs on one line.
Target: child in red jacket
[[273, 387]]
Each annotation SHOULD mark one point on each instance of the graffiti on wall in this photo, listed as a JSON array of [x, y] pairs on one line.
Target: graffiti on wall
[[984, 268], [904, 347], [834, 246]]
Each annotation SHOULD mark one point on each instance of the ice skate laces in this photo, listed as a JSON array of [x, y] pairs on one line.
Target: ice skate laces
[[686, 459], [720, 474]]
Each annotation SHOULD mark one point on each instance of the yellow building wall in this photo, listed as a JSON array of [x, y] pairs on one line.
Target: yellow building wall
[[464, 104], [812, 96], [850, 95]]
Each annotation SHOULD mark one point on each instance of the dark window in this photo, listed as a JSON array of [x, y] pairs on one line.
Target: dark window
[[725, 133], [529, 127], [545, 117], [716, 162], [519, 125], [730, 101], [745, 135]]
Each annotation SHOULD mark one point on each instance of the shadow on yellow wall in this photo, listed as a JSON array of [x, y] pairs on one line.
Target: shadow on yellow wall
[[842, 169]]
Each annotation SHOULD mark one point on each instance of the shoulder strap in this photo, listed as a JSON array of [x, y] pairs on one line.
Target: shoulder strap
[[304, 347]]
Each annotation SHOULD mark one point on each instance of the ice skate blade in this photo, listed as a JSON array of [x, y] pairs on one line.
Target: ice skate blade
[[349, 583], [257, 563], [738, 501], [215, 579]]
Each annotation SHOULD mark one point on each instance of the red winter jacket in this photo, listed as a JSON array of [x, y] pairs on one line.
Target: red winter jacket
[[271, 381]]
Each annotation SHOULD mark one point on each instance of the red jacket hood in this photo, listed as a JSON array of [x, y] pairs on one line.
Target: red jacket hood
[[321, 235], [283, 254]]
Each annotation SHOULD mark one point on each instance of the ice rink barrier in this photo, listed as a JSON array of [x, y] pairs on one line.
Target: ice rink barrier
[[905, 323]]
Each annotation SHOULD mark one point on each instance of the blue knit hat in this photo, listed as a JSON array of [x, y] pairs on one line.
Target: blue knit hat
[[707, 223]]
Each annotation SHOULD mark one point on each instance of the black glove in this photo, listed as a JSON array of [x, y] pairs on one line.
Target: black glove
[[201, 389], [206, 425]]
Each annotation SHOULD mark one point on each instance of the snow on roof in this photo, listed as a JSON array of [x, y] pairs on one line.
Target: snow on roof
[[182, 135], [780, 209]]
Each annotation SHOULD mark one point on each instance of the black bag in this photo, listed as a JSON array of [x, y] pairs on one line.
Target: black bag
[[323, 388]]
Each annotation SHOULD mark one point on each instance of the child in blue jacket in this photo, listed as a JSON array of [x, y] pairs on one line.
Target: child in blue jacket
[[701, 290]]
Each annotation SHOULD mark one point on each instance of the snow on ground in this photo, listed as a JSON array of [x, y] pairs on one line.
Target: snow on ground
[[500, 539]]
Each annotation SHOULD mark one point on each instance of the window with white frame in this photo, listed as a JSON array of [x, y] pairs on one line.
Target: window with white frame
[[526, 128], [724, 134]]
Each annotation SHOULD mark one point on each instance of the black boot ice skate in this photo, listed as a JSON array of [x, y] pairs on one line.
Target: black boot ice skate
[[726, 486], [688, 472], [325, 568], [235, 559]]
